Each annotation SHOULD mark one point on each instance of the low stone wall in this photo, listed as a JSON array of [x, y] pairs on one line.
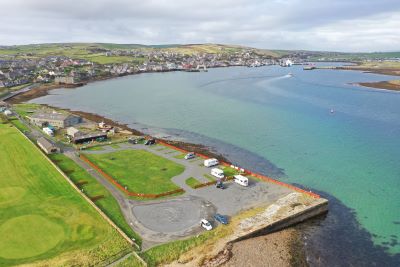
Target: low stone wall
[[284, 220]]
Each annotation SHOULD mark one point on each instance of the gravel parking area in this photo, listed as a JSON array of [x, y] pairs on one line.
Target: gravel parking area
[[170, 219]]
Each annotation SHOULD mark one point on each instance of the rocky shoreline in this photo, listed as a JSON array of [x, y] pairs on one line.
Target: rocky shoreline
[[386, 85]]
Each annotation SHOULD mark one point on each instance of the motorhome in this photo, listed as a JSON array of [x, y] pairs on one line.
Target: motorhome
[[211, 162], [48, 131], [217, 173], [242, 180]]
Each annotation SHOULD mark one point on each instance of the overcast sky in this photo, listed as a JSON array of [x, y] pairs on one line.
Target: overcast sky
[[340, 25]]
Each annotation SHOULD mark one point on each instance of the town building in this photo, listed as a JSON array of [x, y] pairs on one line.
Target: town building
[[73, 132], [58, 120], [47, 146], [64, 80]]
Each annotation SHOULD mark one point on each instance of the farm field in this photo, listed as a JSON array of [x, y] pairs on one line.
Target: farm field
[[33, 195], [140, 171]]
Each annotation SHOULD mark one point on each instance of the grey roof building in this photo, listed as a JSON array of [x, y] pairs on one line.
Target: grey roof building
[[47, 146], [58, 120]]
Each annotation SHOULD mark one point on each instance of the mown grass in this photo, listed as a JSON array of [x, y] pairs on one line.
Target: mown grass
[[139, 170], [131, 261], [209, 177], [192, 182], [95, 191], [35, 200], [180, 156], [21, 126], [25, 109], [228, 171], [95, 148]]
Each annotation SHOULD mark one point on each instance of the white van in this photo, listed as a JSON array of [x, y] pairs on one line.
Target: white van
[[211, 162], [217, 173], [242, 180], [48, 131]]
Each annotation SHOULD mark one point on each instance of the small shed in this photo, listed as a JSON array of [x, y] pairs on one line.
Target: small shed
[[47, 146], [73, 132]]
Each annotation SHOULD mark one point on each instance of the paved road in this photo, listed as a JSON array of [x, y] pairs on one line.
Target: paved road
[[17, 92]]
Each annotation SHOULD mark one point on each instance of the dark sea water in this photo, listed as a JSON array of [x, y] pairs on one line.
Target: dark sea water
[[282, 125]]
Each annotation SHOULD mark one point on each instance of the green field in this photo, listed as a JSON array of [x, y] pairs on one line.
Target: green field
[[95, 191], [140, 171], [22, 127], [192, 182], [43, 220], [130, 261]]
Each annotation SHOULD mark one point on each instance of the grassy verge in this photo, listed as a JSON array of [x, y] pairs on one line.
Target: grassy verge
[[131, 261], [43, 219], [95, 148], [22, 127], [25, 109], [194, 247], [95, 191], [209, 177], [192, 182], [115, 146], [228, 171], [139, 170], [180, 156]]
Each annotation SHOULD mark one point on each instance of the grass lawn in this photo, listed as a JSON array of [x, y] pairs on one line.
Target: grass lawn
[[43, 219], [95, 148], [22, 127], [115, 146], [192, 182], [25, 109], [139, 170], [95, 191], [131, 261], [228, 171], [180, 156], [209, 177]]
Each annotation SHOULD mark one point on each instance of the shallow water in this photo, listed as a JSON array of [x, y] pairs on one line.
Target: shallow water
[[279, 124]]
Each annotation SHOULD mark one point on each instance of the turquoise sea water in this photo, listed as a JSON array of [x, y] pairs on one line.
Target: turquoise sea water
[[352, 154]]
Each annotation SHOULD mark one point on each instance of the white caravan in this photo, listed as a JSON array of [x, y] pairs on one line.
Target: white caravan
[[211, 162], [217, 173], [242, 180]]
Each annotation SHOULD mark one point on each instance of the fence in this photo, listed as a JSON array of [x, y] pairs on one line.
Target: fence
[[122, 188], [262, 177]]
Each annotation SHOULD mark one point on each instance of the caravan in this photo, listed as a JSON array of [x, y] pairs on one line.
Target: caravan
[[210, 162], [242, 180], [217, 173]]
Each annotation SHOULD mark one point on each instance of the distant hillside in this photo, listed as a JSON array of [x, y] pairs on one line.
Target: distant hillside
[[81, 50]]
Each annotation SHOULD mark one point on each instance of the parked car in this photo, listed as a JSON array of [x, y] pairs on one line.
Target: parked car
[[220, 184], [190, 155], [221, 218], [206, 224], [132, 141], [150, 142]]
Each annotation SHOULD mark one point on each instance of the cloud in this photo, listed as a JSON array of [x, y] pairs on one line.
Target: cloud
[[341, 25]]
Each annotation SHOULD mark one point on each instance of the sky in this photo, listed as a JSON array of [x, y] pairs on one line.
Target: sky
[[329, 25]]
